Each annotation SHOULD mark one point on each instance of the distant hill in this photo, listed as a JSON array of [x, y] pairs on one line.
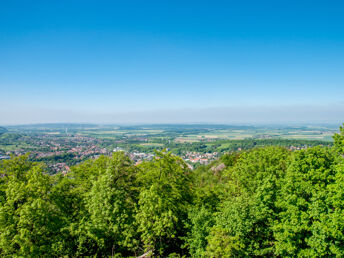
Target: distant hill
[[53, 126]]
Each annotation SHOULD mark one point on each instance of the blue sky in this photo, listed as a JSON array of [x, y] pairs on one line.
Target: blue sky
[[171, 61]]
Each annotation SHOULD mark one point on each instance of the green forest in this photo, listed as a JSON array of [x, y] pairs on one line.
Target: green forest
[[266, 201]]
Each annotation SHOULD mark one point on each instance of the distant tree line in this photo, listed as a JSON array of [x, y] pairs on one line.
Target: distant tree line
[[267, 201], [220, 146]]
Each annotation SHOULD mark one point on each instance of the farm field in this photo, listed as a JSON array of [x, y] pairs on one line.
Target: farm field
[[69, 144], [180, 133]]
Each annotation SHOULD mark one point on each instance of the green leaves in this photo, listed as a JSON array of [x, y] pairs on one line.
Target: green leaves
[[199, 225], [246, 216], [163, 202], [263, 202], [308, 213], [111, 207], [29, 219], [339, 140]]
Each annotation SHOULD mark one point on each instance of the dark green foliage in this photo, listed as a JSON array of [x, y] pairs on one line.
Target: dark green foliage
[[267, 201], [209, 190], [201, 220]]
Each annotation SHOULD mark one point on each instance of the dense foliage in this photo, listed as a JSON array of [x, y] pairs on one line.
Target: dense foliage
[[266, 201]]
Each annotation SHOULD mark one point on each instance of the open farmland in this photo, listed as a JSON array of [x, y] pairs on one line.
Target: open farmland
[[69, 144]]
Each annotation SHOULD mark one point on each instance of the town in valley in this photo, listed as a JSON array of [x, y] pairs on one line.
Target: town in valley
[[61, 146]]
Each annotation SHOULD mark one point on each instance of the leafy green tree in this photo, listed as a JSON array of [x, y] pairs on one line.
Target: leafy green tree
[[198, 226], [264, 202], [70, 194], [111, 206], [30, 222], [209, 186], [245, 219], [223, 244], [87, 172], [98, 199], [209, 189], [164, 199], [339, 140], [311, 203]]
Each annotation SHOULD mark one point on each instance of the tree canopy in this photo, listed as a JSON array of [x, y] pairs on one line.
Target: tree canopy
[[266, 201]]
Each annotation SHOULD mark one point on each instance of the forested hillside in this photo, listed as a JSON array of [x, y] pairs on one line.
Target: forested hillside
[[267, 201]]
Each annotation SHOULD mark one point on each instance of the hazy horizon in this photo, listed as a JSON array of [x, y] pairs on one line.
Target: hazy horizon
[[333, 114]]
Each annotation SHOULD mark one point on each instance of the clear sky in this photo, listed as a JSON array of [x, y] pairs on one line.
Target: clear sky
[[171, 61]]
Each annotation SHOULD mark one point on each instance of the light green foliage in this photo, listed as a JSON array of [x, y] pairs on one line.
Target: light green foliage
[[70, 194], [223, 244], [246, 217], [163, 202], [29, 221], [85, 174], [339, 140], [262, 202], [98, 197], [311, 221], [111, 206], [255, 167]]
